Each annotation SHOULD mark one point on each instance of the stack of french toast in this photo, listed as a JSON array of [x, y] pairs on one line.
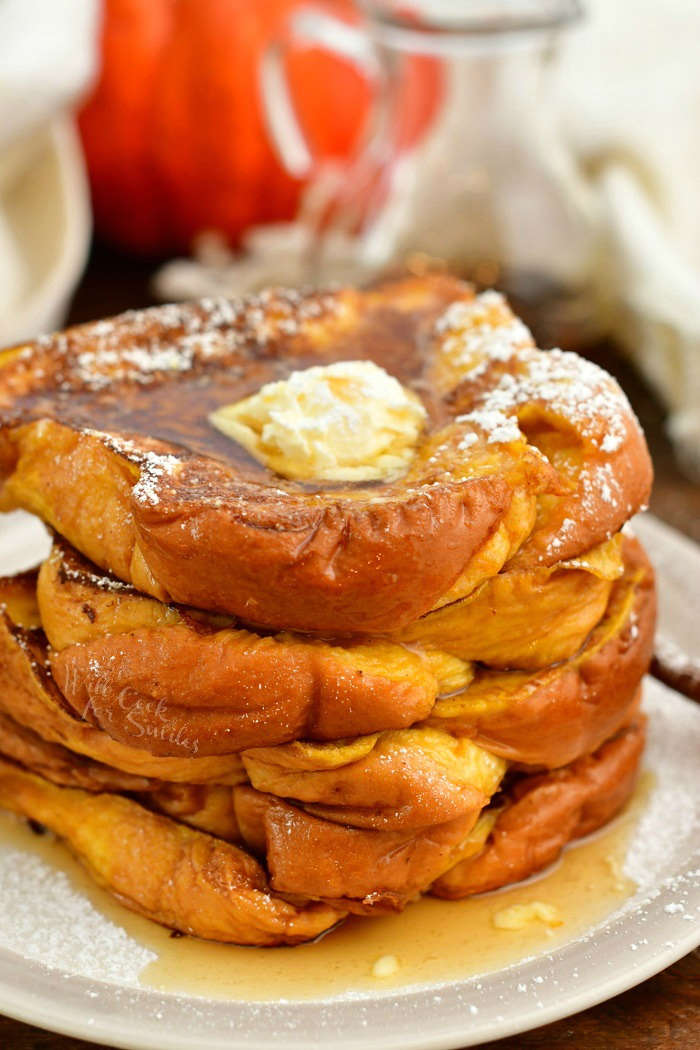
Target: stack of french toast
[[341, 607]]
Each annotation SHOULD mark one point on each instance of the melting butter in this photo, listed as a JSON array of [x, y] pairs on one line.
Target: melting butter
[[349, 421]]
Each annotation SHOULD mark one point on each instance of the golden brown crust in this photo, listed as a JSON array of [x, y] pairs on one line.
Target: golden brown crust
[[224, 689], [599, 494], [398, 804], [359, 870], [568, 410], [546, 812], [208, 807], [524, 618], [221, 688], [61, 766], [29, 695], [519, 618], [405, 779], [77, 602], [165, 871], [321, 571], [201, 885], [220, 692], [370, 872], [553, 716], [162, 503]]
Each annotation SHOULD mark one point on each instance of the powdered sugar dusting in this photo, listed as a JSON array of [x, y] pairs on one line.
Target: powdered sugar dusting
[[673, 812], [478, 331], [566, 530], [565, 385], [47, 920], [153, 466], [153, 469], [494, 422], [93, 579], [143, 346], [102, 366], [466, 442], [482, 334]]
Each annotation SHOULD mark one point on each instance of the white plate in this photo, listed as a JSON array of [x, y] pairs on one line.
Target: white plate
[[91, 990]]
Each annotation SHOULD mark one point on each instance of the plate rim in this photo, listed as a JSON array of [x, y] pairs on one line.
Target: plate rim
[[56, 1019]]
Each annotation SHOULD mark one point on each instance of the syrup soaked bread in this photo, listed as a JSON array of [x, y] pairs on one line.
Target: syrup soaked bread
[[203, 885], [438, 774], [200, 884], [542, 813], [369, 872], [106, 435]]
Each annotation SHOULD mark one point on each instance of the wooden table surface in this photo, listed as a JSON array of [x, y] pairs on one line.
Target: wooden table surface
[[664, 1012]]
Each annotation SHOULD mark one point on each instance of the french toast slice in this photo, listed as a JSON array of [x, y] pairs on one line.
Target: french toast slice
[[546, 716], [525, 618], [223, 686], [105, 434], [29, 695], [551, 719], [391, 786], [199, 884], [371, 872], [228, 687], [175, 875], [208, 807], [402, 779], [60, 765]]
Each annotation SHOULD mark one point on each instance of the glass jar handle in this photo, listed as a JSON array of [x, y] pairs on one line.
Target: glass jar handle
[[307, 27]]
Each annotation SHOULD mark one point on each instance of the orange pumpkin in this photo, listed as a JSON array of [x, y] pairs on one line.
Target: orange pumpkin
[[174, 134]]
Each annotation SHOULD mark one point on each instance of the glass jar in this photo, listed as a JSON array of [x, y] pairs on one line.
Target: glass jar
[[462, 162]]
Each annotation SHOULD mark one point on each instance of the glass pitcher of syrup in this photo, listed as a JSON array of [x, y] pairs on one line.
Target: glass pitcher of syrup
[[462, 162]]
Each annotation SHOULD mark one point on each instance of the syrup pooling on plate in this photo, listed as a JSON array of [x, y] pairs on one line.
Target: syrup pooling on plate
[[433, 941]]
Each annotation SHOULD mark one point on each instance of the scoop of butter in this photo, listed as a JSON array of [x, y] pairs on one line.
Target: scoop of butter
[[349, 421]]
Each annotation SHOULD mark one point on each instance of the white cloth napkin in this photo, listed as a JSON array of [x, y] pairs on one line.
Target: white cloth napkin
[[47, 56], [630, 89]]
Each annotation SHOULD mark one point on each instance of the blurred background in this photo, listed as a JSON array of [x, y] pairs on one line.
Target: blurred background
[[163, 149]]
